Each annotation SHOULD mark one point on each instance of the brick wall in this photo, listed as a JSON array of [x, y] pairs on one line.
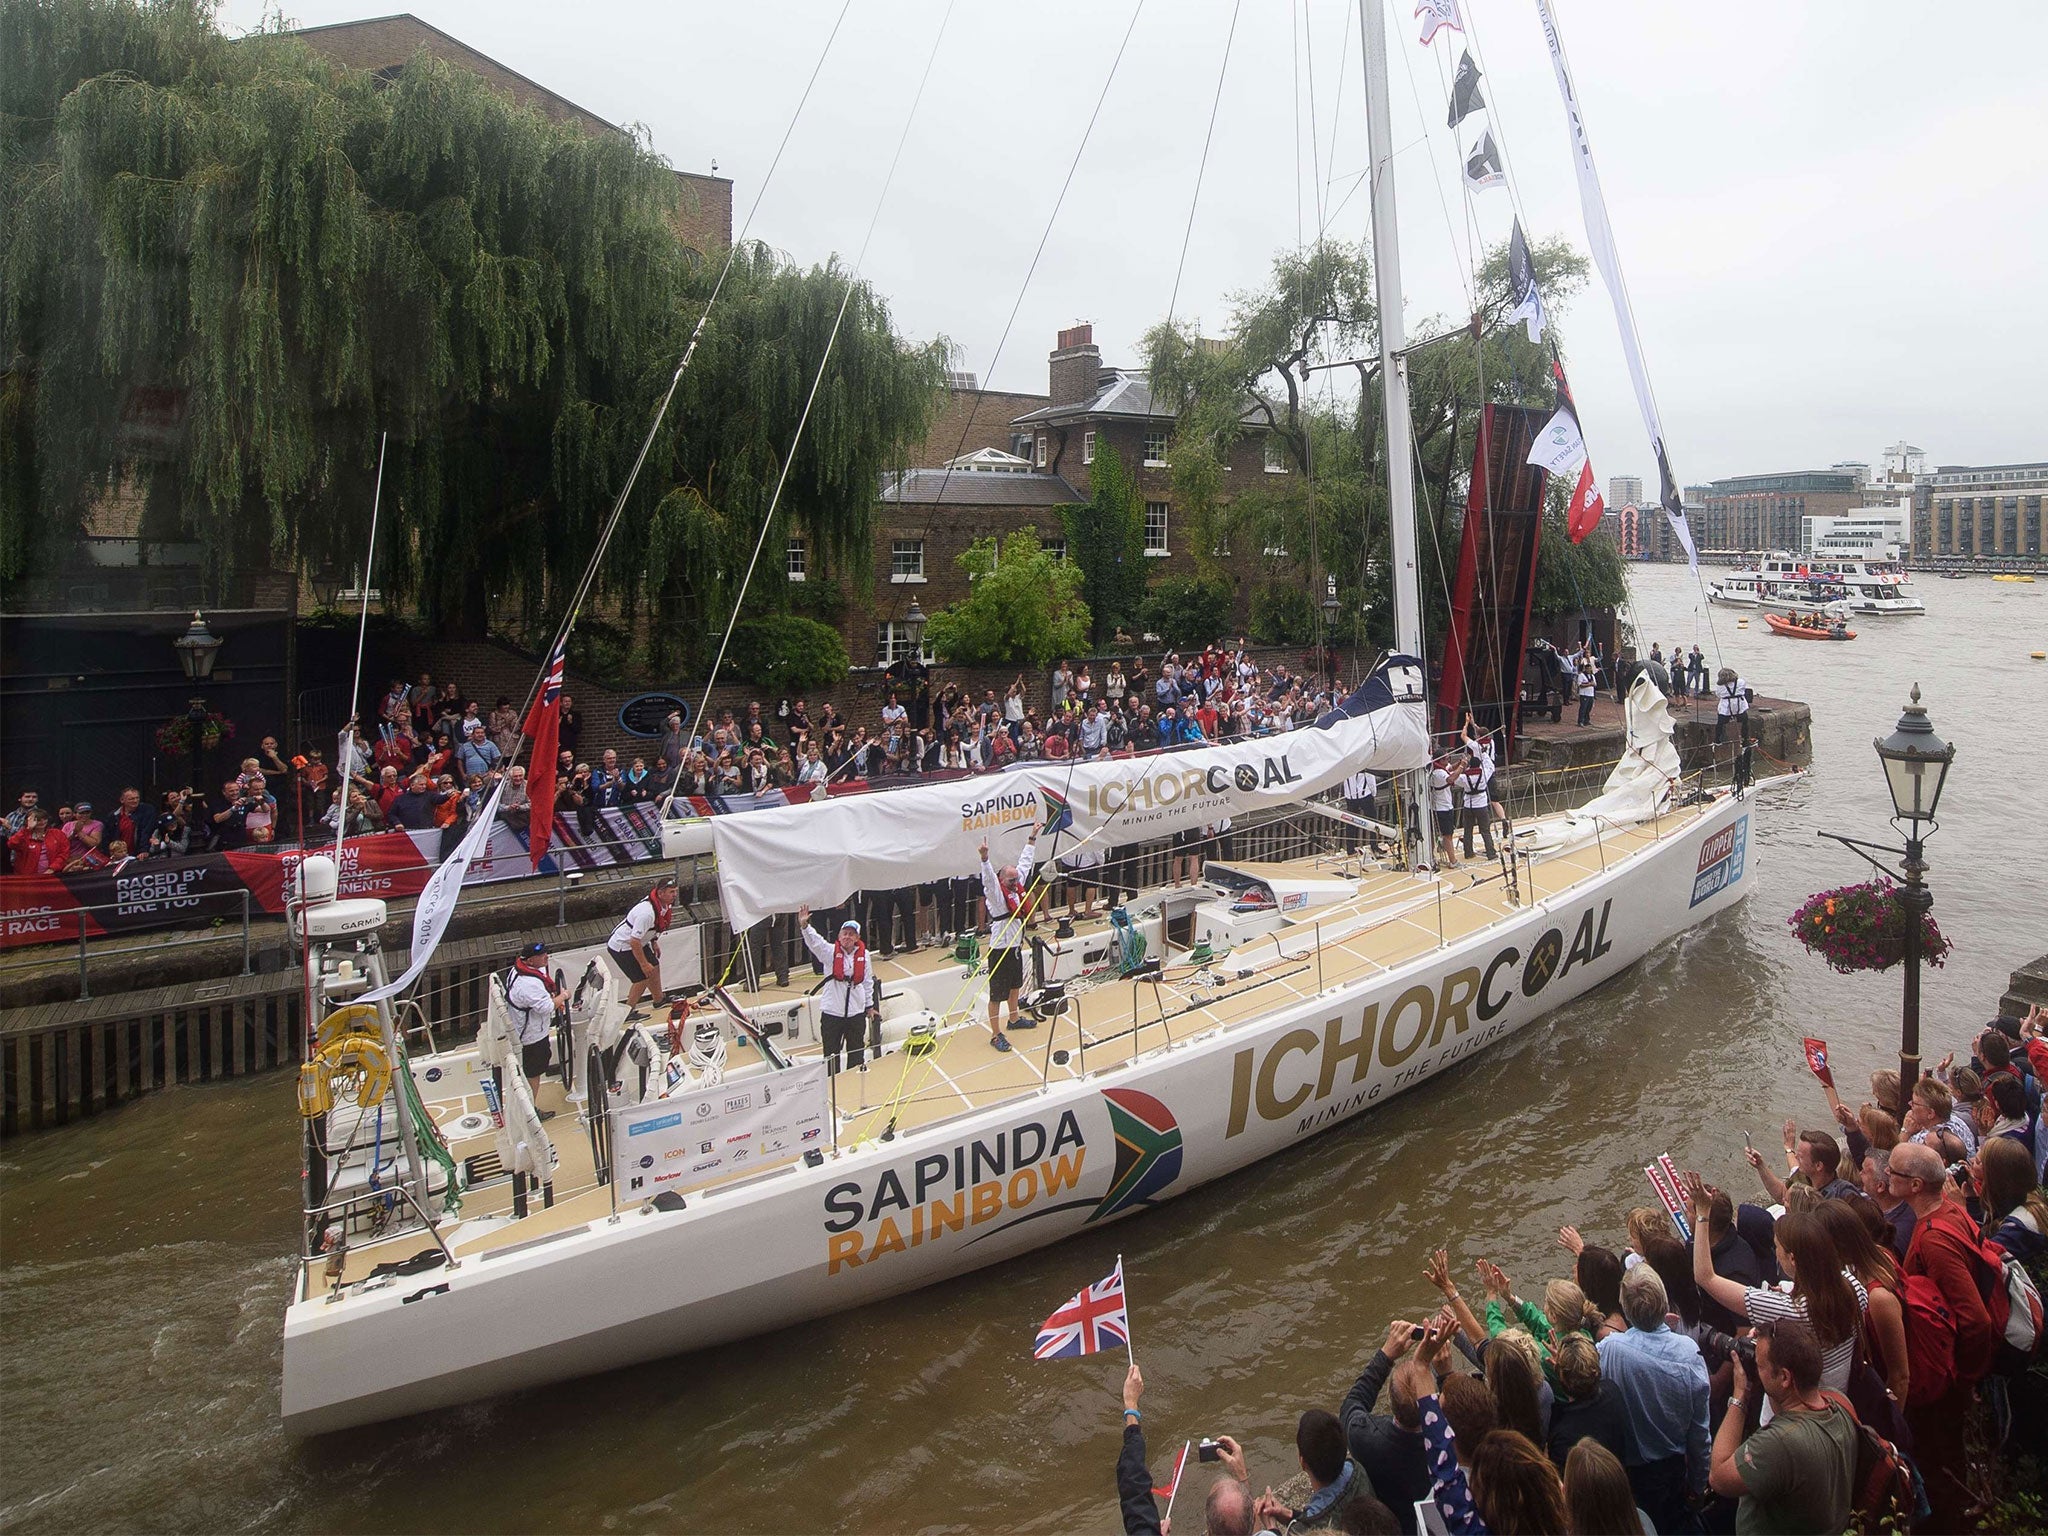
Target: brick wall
[[703, 217], [970, 420]]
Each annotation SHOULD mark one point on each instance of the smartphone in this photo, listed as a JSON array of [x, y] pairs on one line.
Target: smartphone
[[1209, 1450], [1417, 1331], [1747, 1144]]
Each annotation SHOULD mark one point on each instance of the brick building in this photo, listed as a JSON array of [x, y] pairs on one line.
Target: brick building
[[1994, 510], [995, 462], [1750, 513], [384, 45]]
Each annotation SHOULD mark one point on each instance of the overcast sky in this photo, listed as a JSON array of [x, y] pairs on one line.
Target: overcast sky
[[1831, 215]]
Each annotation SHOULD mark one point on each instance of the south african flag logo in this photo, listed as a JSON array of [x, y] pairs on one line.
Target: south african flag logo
[[1058, 814], [1148, 1150]]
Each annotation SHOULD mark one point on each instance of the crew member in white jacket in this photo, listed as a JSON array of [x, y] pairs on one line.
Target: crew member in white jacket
[[850, 1005], [1004, 889]]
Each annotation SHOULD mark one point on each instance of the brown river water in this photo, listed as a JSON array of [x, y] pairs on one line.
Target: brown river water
[[143, 1254]]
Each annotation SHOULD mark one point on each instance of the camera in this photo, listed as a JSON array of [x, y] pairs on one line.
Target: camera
[[1209, 1450]]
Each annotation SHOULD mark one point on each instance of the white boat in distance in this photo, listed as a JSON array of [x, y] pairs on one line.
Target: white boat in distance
[[1867, 586], [712, 1181]]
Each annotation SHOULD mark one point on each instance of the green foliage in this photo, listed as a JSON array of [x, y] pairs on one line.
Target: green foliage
[[1571, 576], [603, 650], [1187, 612], [1283, 613], [824, 601], [1106, 539], [1024, 609], [788, 653], [1330, 511], [302, 255]]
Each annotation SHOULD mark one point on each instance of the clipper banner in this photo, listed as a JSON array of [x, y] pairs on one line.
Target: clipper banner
[[680, 1142], [818, 855]]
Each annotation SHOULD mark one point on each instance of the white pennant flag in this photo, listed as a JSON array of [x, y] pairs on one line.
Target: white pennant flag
[[437, 901], [1436, 14], [1482, 166], [1560, 445]]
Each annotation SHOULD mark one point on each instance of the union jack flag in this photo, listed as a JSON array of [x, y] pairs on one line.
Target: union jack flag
[[1094, 1320], [551, 690]]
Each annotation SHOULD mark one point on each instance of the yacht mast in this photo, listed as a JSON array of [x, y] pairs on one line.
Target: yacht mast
[[1386, 272]]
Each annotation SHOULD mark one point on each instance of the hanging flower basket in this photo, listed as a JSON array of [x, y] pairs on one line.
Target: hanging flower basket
[[1863, 928], [174, 736]]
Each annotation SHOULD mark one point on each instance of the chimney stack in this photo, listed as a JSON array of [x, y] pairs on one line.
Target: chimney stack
[[1076, 366]]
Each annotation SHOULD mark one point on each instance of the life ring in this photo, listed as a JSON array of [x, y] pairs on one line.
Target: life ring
[[354, 1019], [356, 1068]]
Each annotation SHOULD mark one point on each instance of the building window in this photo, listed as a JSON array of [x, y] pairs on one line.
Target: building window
[[798, 559], [892, 644], [1155, 527], [1155, 449], [1276, 455], [1041, 450], [1057, 548], [1020, 445], [906, 560], [1087, 447]]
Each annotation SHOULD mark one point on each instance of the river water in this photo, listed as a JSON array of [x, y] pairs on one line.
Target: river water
[[143, 1277]]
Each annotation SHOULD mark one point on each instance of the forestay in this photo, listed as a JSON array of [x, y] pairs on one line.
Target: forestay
[[819, 854]]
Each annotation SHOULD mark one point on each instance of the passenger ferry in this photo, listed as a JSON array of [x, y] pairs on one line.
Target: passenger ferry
[[1867, 586], [1742, 590]]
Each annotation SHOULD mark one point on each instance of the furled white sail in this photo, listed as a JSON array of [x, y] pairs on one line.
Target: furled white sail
[[1639, 787], [819, 854]]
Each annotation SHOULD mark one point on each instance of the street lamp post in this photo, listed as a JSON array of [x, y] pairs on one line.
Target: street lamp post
[[913, 626], [1916, 764], [197, 649]]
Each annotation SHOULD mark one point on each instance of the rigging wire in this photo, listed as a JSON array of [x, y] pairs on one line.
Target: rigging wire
[[1202, 168], [611, 523], [1024, 287], [1507, 161], [818, 380]]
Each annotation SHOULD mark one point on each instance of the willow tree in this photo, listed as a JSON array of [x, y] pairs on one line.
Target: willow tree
[[302, 256], [1299, 363]]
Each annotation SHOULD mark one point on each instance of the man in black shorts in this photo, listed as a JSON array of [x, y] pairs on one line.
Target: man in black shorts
[[632, 944], [1004, 890]]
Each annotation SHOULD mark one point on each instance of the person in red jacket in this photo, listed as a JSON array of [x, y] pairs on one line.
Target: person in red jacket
[[39, 848], [1945, 1250]]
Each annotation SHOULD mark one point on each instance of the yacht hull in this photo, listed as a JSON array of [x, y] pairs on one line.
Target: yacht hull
[[955, 1196]]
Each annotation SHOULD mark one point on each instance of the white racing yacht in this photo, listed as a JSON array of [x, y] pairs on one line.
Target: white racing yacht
[[468, 1232]]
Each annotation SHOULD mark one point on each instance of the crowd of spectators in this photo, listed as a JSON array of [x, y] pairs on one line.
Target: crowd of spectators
[[430, 756], [1842, 1352]]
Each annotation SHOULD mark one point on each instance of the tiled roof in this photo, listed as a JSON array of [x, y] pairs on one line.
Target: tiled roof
[[972, 488], [1128, 393]]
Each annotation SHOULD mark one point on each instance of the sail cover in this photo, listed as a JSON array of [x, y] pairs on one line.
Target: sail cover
[[819, 854]]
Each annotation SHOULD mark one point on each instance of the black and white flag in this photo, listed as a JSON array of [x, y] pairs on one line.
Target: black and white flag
[[1465, 97], [1522, 285], [1482, 166]]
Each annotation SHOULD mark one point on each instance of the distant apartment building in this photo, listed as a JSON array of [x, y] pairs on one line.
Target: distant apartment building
[[1624, 490], [1869, 533], [1989, 510], [1764, 512]]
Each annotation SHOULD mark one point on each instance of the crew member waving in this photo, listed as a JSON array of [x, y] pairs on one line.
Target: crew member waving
[[1474, 800], [850, 1006], [632, 945], [1004, 889], [533, 997]]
